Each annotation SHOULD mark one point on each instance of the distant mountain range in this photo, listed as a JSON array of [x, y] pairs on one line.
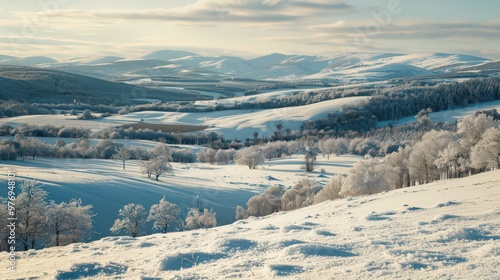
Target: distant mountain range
[[355, 66]]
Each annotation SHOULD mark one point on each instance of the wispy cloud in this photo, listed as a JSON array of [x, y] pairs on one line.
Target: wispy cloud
[[250, 11]]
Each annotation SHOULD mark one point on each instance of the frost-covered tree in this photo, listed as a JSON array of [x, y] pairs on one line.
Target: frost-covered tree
[[241, 213], [471, 130], [424, 154], [450, 160], [162, 151], [31, 214], [310, 158], [333, 146], [251, 157], [300, 195], [164, 214], [486, 153], [331, 190], [160, 166], [399, 161], [196, 219], [266, 203], [69, 222], [259, 206], [207, 155], [131, 219], [208, 218], [472, 127], [87, 115], [156, 166], [122, 154], [222, 157], [368, 176]]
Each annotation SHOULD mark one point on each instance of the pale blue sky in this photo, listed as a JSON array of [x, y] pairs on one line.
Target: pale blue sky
[[65, 29]]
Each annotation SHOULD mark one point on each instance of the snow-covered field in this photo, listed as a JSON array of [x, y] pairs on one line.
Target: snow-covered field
[[273, 94], [449, 115], [104, 184], [58, 120], [243, 123], [232, 123], [445, 230]]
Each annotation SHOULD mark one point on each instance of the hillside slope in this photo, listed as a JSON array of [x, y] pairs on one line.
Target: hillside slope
[[48, 86], [445, 230]]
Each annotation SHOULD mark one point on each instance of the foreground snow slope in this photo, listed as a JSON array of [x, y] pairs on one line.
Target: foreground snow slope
[[105, 185], [445, 230]]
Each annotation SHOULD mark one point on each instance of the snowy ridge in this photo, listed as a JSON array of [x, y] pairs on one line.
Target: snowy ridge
[[352, 66], [446, 230]]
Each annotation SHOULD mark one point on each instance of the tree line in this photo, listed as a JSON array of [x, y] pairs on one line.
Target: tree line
[[436, 155]]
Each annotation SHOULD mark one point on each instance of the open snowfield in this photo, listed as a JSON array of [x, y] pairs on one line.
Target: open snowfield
[[243, 123], [105, 185], [129, 143], [232, 123], [273, 94], [58, 120], [445, 230]]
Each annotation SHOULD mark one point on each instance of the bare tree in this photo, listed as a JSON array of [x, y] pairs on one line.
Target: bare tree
[[122, 154]]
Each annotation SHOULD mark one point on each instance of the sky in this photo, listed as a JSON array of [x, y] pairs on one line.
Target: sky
[[65, 29]]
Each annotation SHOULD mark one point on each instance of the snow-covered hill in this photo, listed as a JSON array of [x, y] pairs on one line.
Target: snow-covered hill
[[445, 230], [352, 66], [105, 185], [232, 123], [243, 123]]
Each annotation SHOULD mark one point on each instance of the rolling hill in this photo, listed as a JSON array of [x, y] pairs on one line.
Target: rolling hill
[[29, 84]]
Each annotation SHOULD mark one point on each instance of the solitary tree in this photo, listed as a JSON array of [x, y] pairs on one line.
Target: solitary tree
[[164, 214], [310, 159], [161, 166], [132, 218], [122, 154], [87, 115]]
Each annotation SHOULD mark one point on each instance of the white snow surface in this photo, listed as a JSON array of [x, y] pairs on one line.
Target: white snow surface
[[231, 123], [445, 230], [243, 123], [105, 185]]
